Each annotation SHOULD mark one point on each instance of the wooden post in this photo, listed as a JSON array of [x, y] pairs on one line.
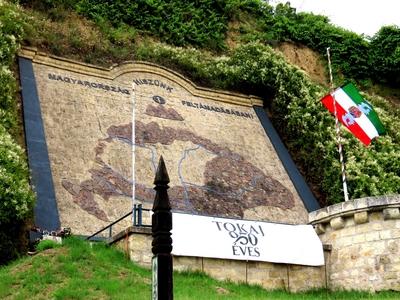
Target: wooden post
[[162, 241]]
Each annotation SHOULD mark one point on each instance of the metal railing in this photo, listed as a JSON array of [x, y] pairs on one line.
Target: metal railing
[[137, 221], [138, 215]]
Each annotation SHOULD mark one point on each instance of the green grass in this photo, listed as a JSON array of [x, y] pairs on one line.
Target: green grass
[[78, 270], [75, 271]]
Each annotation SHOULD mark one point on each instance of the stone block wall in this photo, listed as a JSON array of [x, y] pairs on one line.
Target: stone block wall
[[365, 239], [136, 242], [362, 251]]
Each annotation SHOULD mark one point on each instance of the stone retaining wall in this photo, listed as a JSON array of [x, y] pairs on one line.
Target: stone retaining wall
[[136, 241], [362, 251], [365, 239]]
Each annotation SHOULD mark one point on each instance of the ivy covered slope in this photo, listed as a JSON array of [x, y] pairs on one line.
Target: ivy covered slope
[[205, 24], [16, 197]]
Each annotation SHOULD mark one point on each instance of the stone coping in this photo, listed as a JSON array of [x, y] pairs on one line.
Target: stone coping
[[349, 208], [128, 231], [117, 70]]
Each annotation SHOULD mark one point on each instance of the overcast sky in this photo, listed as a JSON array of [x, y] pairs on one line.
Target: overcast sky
[[361, 16]]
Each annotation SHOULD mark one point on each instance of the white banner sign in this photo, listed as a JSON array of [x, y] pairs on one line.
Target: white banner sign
[[202, 236]]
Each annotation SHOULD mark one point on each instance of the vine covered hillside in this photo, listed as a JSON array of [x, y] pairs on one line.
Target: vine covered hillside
[[227, 44]]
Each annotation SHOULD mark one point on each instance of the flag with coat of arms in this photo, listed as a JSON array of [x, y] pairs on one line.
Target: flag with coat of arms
[[354, 112]]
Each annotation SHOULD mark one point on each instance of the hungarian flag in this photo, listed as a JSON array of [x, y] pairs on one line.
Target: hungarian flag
[[354, 112]]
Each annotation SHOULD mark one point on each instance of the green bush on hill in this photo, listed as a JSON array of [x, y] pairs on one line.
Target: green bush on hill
[[11, 31], [200, 23], [16, 197], [385, 55], [15, 194]]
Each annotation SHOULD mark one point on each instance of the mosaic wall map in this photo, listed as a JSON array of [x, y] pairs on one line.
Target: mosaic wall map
[[219, 158]]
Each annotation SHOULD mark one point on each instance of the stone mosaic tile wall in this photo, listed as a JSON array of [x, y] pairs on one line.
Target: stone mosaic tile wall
[[219, 158]]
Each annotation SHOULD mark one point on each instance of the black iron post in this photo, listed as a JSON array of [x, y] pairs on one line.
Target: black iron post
[[161, 232]]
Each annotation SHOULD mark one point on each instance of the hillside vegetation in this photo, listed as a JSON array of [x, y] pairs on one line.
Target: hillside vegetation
[[78, 270], [224, 44], [16, 197]]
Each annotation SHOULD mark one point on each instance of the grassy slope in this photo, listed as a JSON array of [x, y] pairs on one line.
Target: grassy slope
[[80, 271]]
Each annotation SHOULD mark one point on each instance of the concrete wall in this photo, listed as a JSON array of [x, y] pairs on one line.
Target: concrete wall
[[365, 239], [136, 241]]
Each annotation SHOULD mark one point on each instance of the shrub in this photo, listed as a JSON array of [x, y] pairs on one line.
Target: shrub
[[16, 197], [15, 194], [11, 31], [385, 55], [202, 23]]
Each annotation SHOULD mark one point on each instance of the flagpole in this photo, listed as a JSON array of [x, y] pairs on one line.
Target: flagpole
[[338, 135], [133, 152]]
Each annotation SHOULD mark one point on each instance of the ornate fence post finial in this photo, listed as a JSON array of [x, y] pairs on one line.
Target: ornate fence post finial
[[161, 232]]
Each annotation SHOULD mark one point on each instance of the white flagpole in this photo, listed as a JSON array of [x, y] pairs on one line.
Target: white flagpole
[[133, 151], [338, 135]]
